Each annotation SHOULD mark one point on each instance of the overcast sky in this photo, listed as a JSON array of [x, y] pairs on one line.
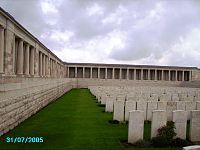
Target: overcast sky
[[153, 32]]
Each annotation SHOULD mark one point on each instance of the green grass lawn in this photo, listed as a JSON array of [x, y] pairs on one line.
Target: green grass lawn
[[74, 121]]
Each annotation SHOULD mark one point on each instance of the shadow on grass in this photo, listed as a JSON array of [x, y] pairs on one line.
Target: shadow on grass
[[101, 105]]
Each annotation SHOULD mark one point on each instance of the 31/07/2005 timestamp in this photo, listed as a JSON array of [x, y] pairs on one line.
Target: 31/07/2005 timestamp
[[24, 139]]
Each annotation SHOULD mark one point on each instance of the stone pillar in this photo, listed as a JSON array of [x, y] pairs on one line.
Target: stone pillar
[[129, 106], [127, 74], [120, 73], [40, 65], [98, 73], [180, 120], [20, 58], [91, 72], [159, 119], [134, 74], [169, 75], [32, 51], [1, 50], [183, 76], [156, 74], [176, 75], [83, 72], [190, 75], [75, 72], [36, 61], [26, 62], [195, 126], [135, 126], [106, 73], [113, 73], [48, 66], [44, 65], [118, 111]]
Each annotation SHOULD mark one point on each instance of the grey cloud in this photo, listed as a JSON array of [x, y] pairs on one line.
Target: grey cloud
[[158, 35], [150, 28]]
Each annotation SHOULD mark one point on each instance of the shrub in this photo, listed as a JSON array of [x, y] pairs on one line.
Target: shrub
[[180, 143], [160, 141], [165, 135], [167, 131]]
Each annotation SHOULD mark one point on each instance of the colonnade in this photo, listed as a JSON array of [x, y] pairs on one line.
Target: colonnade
[[131, 73], [26, 58]]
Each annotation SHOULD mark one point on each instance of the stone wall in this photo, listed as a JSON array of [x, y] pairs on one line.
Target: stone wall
[[22, 99]]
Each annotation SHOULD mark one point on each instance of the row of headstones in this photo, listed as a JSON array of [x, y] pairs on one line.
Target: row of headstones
[[151, 97], [121, 108], [159, 119], [135, 95], [186, 92]]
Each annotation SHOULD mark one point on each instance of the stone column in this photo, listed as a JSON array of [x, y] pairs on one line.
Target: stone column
[[113, 73], [91, 72], [176, 75], [169, 75], [20, 58], [159, 119], [183, 76], [75, 72], [118, 111], [180, 120], [47, 66], [41, 66], [106, 73], [156, 74], [1, 50], [162, 73], [44, 65], [32, 51], [149, 74], [190, 75], [83, 72], [134, 78], [195, 126], [26, 63], [127, 74], [135, 126]]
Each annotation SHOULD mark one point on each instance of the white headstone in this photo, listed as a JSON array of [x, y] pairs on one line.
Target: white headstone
[[171, 106], [150, 107], [109, 104], [188, 107], [162, 105], [195, 126], [142, 105], [159, 119], [180, 105], [118, 111], [180, 120], [135, 126], [129, 106]]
